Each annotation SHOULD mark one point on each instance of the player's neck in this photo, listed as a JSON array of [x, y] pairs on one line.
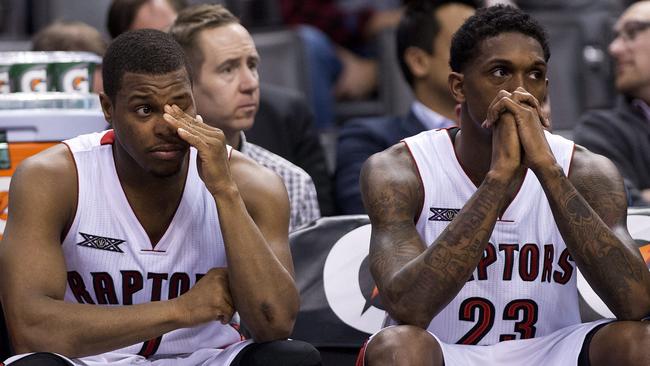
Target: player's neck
[[138, 182], [473, 148]]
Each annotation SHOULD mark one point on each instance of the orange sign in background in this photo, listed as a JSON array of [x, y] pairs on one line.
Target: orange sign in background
[[18, 151], [645, 252]]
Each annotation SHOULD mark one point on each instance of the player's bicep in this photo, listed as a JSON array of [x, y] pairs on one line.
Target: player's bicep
[[600, 184], [392, 196], [267, 203], [31, 259]]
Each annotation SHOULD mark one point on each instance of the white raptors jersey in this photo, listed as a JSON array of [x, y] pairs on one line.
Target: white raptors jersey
[[111, 261], [525, 283]]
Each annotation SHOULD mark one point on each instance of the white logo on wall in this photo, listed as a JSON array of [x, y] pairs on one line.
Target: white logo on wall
[[341, 282], [34, 80], [76, 80]]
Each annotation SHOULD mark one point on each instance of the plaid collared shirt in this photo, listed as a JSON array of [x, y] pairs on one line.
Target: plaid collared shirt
[[302, 192]]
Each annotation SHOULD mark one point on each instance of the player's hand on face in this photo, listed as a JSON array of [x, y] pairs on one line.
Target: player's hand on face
[[530, 125], [210, 142], [209, 299], [521, 96], [506, 149]]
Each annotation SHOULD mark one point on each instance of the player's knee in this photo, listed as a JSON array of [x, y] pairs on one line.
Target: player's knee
[[299, 353], [624, 343], [404, 345], [634, 344], [282, 353]]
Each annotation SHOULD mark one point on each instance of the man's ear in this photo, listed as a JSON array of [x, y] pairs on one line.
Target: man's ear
[[107, 107], [455, 82], [417, 60]]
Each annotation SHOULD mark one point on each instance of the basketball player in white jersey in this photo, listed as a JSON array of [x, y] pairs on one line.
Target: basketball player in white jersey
[[477, 232], [136, 245]]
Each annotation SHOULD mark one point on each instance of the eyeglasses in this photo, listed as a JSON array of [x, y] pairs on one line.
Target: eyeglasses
[[630, 30]]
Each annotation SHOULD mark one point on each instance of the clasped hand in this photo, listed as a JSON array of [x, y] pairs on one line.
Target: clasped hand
[[518, 126], [208, 300]]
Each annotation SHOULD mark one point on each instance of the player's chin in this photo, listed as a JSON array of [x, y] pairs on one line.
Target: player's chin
[[166, 169]]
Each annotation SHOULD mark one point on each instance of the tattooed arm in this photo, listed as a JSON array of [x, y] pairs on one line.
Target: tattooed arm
[[590, 211], [592, 220], [415, 281]]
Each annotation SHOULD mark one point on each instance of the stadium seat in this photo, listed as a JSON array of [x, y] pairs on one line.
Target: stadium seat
[[395, 92], [579, 72], [339, 308], [393, 95], [283, 60]]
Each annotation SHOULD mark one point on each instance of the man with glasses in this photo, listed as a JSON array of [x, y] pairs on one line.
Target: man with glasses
[[623, 133]]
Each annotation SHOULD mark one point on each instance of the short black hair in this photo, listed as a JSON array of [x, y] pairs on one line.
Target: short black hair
[[490, 22], [418, 27], [142, 51]]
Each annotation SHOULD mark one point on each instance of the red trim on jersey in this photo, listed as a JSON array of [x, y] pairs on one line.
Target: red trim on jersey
[[76, 205], [150, 347], [108, 138], [421, 207], [361, 358], [237, 327]]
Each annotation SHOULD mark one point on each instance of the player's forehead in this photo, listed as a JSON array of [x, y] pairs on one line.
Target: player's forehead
[[510, 47], [143, 85]]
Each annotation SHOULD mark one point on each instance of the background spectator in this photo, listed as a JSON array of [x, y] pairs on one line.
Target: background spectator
[[72, 36], [226, 90], [423, 39], [339, 50], [622, 133], [124, 15]]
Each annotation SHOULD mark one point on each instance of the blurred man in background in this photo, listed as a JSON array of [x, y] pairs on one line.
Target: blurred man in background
[[623, 133], [72, 36], [423, 39], [226, 88]]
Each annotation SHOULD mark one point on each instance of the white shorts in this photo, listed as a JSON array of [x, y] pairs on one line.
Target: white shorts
[[560, 348], [203, 357]]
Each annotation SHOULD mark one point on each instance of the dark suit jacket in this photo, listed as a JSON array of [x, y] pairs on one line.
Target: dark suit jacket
[[284, 125], [358, 139], [622, 134]]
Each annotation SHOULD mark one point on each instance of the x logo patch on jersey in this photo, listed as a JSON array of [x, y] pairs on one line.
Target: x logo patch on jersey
[[443, 214], [101, 242]]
